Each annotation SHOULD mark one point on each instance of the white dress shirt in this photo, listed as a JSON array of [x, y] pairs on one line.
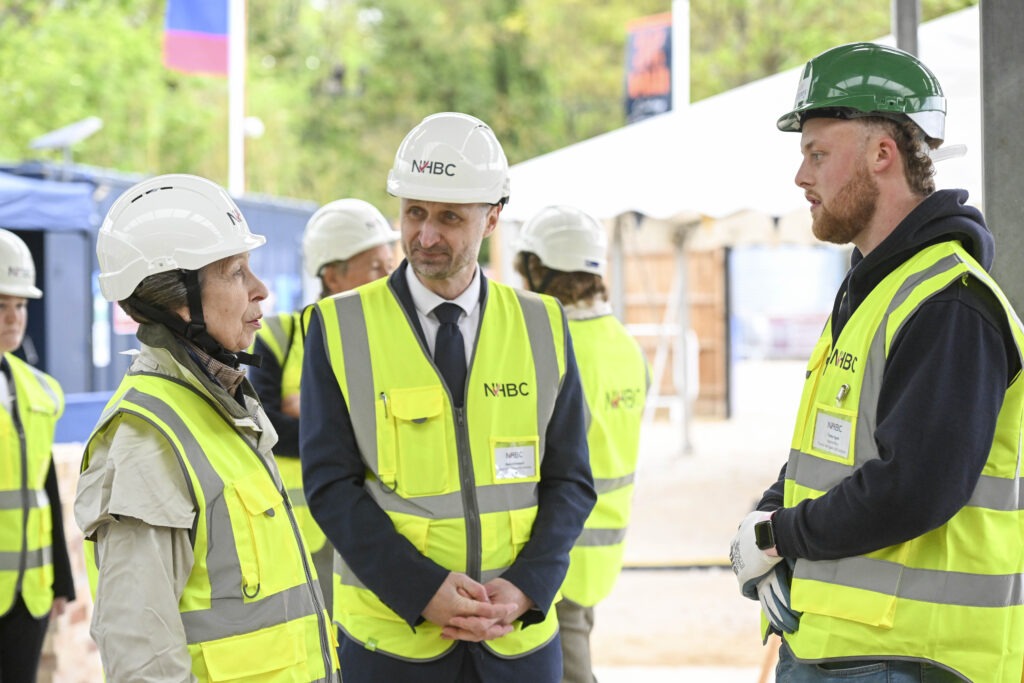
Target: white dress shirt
[[426, 301]]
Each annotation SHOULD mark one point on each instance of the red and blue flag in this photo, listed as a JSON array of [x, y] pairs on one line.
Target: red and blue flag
[[196, 36]]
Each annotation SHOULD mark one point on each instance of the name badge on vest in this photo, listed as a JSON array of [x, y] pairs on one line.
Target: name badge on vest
[[832, 433], [515, 461]]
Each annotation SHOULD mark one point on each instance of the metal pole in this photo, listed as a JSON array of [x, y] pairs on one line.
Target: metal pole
[[618, 270], [683, 317], [906, 15], [236, 97], [680, 54], [1002, 96]]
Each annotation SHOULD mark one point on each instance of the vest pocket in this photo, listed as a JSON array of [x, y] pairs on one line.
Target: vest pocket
[[271, 655], [263, 535], [421, 442], [840, 590]]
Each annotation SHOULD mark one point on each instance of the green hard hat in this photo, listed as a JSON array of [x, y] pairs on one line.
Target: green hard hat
[[869, 79]]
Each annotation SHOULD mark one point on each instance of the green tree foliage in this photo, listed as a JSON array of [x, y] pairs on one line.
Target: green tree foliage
[[737, 41], [337, 83]]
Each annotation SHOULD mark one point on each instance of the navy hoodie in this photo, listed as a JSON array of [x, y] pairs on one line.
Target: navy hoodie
[[942, 388]]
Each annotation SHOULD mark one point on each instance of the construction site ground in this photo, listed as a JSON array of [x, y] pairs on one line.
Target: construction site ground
[[675, 613]]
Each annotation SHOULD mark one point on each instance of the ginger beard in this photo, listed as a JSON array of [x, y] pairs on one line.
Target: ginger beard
[[849, 212]]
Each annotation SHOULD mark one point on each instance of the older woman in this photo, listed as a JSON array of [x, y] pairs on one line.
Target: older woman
[[35, 573], [201, 573]]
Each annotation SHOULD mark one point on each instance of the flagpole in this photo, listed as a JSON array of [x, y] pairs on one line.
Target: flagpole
[[680, 54], [236, 96]]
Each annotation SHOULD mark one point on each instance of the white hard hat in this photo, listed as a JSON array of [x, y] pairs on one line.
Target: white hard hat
[[565, 238], [17, 270], [166, 223], [450, 157], [341, 229]]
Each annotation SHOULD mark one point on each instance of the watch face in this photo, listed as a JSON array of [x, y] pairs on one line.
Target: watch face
[[764, 534]]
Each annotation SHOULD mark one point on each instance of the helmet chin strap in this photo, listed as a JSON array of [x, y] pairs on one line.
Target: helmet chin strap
[[195, 330], [542, 287]]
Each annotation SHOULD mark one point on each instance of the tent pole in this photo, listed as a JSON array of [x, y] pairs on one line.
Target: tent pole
[[618, 270], [682, 360]]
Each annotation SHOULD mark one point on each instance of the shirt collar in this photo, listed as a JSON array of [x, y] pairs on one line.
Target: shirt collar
[[426, 301], [587, 310]]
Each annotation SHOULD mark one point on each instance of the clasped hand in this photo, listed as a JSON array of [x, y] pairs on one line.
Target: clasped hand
[[468, 610]]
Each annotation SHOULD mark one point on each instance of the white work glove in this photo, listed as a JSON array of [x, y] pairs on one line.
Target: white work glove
[[773, 592], [750, 563]]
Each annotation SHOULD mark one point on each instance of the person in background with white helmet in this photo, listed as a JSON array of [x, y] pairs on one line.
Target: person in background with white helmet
[[442, 441], [562, 253], [898, 513], [35, 573], [347, 243], [197, 567]]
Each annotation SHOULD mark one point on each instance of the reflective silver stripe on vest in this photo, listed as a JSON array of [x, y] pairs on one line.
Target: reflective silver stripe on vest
[[236, 617], [890, 578], [491, 574], [13, 500], [276, 329], [925, 585], [993, 493], [614, 484], [41, 378], [359, 375], [345, 573], [599, 537], [362, 402], [34, 559], [231, 616], [545, 359], [495, 498], [820, 474]]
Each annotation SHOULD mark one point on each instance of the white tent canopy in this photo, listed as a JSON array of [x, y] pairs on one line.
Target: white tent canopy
[[724, 154]]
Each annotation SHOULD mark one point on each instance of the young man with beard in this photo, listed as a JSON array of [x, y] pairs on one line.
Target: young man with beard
[[898, 512]]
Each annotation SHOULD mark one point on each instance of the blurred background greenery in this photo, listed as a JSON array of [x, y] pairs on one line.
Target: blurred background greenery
[[337, 83]]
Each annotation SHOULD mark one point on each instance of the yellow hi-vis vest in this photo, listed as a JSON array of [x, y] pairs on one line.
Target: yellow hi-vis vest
[[251, 608], [26, 524], [419, 450], [613, 372], [952, 596], [282, 335]]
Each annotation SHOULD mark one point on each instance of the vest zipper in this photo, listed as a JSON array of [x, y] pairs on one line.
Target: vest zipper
[[467, 482]]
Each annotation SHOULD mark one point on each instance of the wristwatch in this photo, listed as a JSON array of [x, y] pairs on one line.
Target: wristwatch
[[764, 534]]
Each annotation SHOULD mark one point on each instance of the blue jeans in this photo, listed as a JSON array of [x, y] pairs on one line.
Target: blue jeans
[[789, 670]]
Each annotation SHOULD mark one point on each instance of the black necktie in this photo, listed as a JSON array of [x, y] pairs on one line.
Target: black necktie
[[450, 350]]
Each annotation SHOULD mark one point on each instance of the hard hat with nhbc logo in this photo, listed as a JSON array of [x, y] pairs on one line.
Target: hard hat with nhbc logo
[[870, 79], [169, 222], [567, 239], [17, 270], [341, 229], [450, 157]]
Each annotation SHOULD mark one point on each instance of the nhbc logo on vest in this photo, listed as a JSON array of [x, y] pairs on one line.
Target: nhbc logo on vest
[[507, 390], [843, 360], [433, 168], [622, 398]]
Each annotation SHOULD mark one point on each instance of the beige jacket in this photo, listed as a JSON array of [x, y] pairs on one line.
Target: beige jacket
[[134, 501]]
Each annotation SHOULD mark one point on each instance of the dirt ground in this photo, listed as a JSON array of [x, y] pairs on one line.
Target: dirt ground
[[685, 513], [664, 611]]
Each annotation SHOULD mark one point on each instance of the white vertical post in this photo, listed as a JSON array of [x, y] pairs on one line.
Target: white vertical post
[[236, 96], [680, 54]]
